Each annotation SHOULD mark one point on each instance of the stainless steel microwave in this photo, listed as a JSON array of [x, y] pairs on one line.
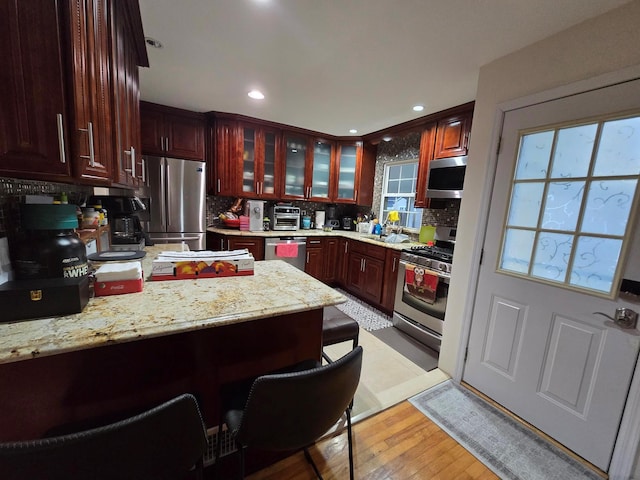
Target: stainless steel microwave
[[446, 177]]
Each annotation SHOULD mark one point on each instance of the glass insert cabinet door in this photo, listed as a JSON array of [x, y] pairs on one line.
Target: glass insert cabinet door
[[321, 173], [573, 197], [347, 163], [295, 165], [258, 161]]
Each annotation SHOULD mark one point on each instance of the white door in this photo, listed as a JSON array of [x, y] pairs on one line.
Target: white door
[[559, 225]]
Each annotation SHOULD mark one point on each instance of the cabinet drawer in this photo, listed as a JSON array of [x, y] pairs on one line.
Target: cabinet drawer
[[368, 249]]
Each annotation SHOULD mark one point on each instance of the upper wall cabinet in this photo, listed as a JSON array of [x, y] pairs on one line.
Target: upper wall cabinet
[[172, 132], [452, 136], [91, 134], [51, 49], [223, 174], [442, 138], [128, 52], [260, 169], [34, 125]]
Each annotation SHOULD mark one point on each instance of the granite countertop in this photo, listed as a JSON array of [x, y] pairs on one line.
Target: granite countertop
[[169, 307], [362, 237]]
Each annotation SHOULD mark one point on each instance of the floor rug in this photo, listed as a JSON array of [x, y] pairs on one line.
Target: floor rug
[[367, 317], [505, 446], [421, 355]]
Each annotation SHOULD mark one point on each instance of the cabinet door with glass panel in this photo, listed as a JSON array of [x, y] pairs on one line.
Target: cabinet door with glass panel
[[296, 185], [347, 162], [259, 165], [322, 162]]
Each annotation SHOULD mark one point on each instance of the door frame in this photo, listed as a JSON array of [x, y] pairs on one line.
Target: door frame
[[627, 444]]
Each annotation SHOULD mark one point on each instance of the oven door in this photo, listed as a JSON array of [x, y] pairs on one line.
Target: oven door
[[414, 307]]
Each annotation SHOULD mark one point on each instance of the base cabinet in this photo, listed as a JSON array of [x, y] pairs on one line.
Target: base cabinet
[[366, 271], [218, 242], [321, 260], [391, 264]]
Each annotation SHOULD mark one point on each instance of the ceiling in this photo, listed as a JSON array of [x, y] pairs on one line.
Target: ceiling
[[335, 65]]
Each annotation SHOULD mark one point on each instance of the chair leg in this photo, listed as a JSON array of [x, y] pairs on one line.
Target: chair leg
[[216, 464], [349, 441], [241, 457], [326, 357], [307, 455]]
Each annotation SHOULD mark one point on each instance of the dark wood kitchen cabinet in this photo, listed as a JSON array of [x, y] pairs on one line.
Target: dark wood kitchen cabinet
[[34, 125], [452, 136], [59, 105], [314, 261], [226, 166], [129, 52], [92, 123], [322, 257], [366, 271], [260, 147], [342, 261], [391, 264], [442, 138], [220, 242], [172, 132]]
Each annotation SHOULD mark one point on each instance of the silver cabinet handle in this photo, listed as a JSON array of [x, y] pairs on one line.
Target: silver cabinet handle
[[132, 154], [143, 171], [92, 155], [314, 241], [393, 268], [364, 264], [307, 257], [221, 244], [346, 247], [63, 157], [218, 185]]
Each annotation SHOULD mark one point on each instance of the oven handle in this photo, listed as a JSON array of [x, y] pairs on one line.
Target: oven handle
[[440, 274]]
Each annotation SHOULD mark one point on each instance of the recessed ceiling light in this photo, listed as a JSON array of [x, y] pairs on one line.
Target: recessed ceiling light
[[418, 108], [153, 42], [386, 139], [353, 130], [256, 94]]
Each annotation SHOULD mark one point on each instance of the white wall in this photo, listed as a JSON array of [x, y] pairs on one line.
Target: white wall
[[603, 44]]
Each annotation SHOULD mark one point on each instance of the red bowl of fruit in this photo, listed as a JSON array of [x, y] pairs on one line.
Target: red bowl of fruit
[[232, 222]]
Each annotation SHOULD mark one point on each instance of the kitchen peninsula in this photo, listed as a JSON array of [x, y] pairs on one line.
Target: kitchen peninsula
[[126, 352]]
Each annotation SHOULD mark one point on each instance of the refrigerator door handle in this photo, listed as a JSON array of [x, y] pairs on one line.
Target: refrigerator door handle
[[167, 200], [163, 200]]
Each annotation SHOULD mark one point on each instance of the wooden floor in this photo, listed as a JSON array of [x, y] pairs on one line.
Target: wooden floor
[[397, 444]]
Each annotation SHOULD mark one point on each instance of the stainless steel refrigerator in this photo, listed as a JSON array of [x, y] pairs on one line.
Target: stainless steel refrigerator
[[177, 199]]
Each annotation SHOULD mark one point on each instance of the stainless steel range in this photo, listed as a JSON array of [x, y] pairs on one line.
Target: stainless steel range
[[422, 290]]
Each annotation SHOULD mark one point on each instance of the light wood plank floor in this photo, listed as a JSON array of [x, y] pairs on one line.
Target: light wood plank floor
[[399, 443]]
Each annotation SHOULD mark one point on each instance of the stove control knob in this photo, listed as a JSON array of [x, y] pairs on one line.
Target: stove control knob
[[443, 267]]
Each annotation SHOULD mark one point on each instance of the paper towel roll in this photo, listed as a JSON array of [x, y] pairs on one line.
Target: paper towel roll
[[319, 219]]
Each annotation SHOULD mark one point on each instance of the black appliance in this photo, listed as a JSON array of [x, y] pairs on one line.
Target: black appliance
[[124, 218], [347, 223], [446, 177]]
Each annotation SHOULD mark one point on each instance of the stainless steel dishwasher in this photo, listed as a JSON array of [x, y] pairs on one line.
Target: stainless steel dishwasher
[[292, 250]]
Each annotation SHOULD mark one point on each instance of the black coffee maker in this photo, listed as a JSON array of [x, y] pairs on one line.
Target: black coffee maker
[[124, 218]]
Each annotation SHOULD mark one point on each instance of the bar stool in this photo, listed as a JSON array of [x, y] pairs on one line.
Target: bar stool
[[338, 327]]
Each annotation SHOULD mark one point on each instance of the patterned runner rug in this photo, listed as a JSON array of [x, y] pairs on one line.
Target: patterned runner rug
[[367, 317], [508, 448]]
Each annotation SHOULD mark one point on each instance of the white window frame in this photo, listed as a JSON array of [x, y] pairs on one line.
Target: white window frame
[[404, 214]]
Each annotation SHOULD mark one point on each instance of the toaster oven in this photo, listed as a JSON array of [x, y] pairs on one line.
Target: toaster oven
[[285, 218]]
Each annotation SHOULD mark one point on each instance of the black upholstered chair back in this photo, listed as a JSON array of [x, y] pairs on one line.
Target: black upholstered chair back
[[163, 443], [292, 410]]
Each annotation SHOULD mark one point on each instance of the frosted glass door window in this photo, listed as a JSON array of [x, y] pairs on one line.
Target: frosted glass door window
[[269, 163], [347, 173], [572, 198], [248, 160], [295, 166], [321, 170]]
